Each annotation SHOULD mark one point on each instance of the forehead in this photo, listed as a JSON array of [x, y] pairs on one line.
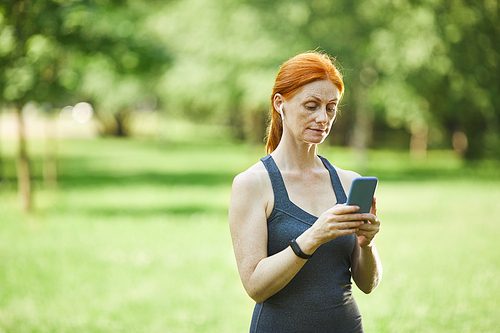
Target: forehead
[[324, 90]]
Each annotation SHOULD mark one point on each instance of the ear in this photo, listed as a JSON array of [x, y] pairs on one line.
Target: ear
[[277, 102]]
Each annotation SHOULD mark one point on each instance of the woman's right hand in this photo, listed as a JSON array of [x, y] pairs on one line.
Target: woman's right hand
[[336, 221]]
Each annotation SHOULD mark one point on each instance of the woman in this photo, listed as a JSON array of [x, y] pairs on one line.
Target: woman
[[296, 243]]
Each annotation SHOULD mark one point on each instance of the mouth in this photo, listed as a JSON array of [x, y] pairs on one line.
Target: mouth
[[318, 130]]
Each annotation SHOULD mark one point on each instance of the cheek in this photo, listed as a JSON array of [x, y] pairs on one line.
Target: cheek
[[302, 118], [331, 124]]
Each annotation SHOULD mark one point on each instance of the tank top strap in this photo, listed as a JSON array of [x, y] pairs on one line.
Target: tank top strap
[[279, 189], [337, 185]]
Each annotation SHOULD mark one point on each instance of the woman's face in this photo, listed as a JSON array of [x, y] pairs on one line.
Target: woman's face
[[309, 114]]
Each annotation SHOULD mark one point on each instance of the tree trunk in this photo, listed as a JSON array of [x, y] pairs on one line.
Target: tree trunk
[[474, 129], [49, 158], [255, 126], [237, 124], [418, 142], [121, 123], [23, 170], [1, 161]]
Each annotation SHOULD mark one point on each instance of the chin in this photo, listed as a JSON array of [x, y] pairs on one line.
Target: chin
[[316, 141]]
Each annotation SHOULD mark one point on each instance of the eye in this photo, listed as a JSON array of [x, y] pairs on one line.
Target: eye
[[311, 106], [331, 108]]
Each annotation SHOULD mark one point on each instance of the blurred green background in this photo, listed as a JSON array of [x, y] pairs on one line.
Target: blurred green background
[[123, 123]]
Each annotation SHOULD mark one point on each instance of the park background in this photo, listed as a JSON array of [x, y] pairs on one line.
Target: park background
[[123, 123]]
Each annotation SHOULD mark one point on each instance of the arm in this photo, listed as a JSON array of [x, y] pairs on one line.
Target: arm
[[263, 276], [366, 267]]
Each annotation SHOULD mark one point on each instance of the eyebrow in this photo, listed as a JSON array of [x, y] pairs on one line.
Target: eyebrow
[[319, 99]]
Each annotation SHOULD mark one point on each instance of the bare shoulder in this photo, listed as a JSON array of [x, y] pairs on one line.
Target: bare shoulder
[[254, 178], [252, 190], [346, 177]]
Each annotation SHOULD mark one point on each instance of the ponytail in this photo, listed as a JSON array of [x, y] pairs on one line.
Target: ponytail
[[274, 131]]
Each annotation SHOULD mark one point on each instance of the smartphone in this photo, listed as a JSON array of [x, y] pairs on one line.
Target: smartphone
[[362, 192]]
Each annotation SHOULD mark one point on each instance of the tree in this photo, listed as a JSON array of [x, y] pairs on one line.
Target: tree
[[465, 72], [115, 63], [61, 52], [410, 65], [224, 63]]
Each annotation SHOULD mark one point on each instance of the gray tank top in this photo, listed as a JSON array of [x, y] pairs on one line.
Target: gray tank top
[[319, 297]]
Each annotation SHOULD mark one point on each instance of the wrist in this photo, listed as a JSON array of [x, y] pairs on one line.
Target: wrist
[[367, 247], [306, 244], [297, 250]]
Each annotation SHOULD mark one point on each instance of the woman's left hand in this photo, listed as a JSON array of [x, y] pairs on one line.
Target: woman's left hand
[[367, 232]]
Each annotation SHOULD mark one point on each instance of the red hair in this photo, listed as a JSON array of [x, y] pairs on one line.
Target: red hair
[[295, 73]]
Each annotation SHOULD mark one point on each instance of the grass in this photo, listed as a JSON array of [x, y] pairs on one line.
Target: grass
[[440, 261], [135, 239]]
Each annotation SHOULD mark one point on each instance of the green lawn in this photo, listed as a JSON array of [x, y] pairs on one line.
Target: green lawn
[[135, 238]]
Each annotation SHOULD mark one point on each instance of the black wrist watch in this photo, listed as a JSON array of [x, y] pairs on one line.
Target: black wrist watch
[[298, 252]]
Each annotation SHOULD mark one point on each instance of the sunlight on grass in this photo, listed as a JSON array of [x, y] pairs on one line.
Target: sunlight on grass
[[440, 262], [135, 239]]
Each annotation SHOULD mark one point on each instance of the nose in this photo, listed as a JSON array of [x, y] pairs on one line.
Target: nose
[[322, 116]]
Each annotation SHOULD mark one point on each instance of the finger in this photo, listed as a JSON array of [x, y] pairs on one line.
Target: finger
[[344, 232], [348, 225], [356, 217], [344, 209], [369, 230], [373, 209], [371, 218], [367, 227], [362, 233]]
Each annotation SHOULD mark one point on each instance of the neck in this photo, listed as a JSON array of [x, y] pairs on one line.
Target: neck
[[291, 155]]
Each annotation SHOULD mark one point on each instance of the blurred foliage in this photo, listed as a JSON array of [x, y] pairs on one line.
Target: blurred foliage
[[61, 52], [417, 73]]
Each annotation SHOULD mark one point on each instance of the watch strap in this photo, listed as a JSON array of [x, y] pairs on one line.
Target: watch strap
[[298, 252]]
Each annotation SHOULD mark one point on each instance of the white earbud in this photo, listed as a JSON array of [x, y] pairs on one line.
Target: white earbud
[[281, 112]]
